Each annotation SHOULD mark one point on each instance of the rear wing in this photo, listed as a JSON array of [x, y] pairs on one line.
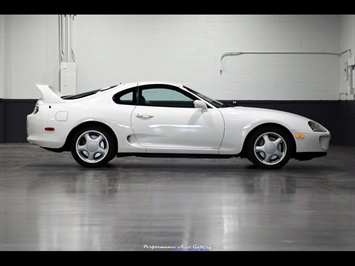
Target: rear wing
[[49, 94]]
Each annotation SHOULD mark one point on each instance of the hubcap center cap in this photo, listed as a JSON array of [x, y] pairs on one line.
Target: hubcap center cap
[[92, 146], [270, 148]]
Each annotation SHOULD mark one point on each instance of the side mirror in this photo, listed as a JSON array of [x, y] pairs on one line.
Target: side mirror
[[201, 105]]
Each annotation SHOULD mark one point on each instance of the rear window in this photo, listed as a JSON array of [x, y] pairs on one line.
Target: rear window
[[88, 93]]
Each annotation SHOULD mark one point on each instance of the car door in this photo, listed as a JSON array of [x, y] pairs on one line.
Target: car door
[[166, 121]]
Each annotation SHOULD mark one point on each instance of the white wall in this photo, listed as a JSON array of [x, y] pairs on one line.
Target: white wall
[[29, 54], [347, 41], [2, 56], [184, 49]]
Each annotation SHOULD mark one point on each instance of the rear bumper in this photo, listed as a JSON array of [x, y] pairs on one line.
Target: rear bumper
[[35, 129]]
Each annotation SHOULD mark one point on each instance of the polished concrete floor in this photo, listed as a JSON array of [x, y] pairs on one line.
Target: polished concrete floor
[[48, 202]]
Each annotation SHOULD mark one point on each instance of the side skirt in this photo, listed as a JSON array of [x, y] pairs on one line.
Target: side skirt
[[174, 155]]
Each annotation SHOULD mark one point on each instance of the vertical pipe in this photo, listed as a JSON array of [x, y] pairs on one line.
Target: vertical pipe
[[71, 17], [66, 38], [72, 50], [69, 38], [60, 47], [2, 56], [60, 37]]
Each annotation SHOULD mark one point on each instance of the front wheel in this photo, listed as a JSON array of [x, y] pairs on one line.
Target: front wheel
[[269, 147], [93, 146]]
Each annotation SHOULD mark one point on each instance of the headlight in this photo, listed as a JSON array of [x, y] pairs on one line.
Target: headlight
[[316, 127]]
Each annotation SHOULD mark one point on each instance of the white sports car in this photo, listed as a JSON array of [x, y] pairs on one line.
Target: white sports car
[[164, 119]]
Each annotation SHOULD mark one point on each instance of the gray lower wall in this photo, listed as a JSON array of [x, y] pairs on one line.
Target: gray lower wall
[[13, 119], [337, 116]]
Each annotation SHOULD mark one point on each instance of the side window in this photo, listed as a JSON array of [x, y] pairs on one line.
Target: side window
[[124, 97], [165, 97]]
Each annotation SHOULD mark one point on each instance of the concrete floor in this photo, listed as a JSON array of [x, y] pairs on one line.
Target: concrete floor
[[49, 202]]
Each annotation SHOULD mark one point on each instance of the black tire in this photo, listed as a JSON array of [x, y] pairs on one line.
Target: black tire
[[93, 146], [269, 147]]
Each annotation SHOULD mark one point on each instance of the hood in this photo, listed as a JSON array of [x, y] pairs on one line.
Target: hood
[[256, 116], [267, 112]]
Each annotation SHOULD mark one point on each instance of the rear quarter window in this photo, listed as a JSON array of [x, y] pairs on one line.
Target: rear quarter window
[[124, 97]]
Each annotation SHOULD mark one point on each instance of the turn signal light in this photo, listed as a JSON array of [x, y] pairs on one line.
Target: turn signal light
[[299, 136]]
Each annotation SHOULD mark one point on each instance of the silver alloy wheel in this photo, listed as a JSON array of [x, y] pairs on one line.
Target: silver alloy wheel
[[92, 146], [270, 148]]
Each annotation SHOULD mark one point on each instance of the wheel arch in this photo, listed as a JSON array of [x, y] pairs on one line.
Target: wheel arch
[[243, 154], [84, 124]]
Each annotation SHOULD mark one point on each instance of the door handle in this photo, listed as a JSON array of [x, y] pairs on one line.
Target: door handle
[[144, 116]]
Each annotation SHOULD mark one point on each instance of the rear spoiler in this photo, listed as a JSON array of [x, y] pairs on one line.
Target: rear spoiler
[[49, 94]]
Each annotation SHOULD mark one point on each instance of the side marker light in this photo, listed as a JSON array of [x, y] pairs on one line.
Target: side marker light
[[299, 136], [49, 128]]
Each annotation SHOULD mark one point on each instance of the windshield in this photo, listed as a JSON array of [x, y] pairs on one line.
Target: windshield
[[215, 103], [85, 94]]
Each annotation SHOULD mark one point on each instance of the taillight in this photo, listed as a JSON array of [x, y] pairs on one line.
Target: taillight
[[35, 111]]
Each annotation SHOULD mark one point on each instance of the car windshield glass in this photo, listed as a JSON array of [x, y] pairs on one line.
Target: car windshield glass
[[215, 103], [85, 94]]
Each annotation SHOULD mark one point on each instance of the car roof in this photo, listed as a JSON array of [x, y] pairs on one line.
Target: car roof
[[148, 82]]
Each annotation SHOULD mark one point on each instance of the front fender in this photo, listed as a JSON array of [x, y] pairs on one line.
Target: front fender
[[240, 121]]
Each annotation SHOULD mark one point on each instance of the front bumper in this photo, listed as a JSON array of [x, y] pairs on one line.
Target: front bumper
[[313, 142]]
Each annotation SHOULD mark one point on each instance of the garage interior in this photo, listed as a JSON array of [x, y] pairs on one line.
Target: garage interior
[[303, 64]]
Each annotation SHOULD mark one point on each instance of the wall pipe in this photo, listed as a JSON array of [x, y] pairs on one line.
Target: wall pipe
[[293, 53], [60, 36], [66, 38], [66, 52], [72, 54]]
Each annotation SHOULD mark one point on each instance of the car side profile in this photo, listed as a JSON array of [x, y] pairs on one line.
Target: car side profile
[[166, 119]]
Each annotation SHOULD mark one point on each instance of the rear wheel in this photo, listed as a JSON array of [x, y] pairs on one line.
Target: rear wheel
[[93, 146], [269, 147]]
